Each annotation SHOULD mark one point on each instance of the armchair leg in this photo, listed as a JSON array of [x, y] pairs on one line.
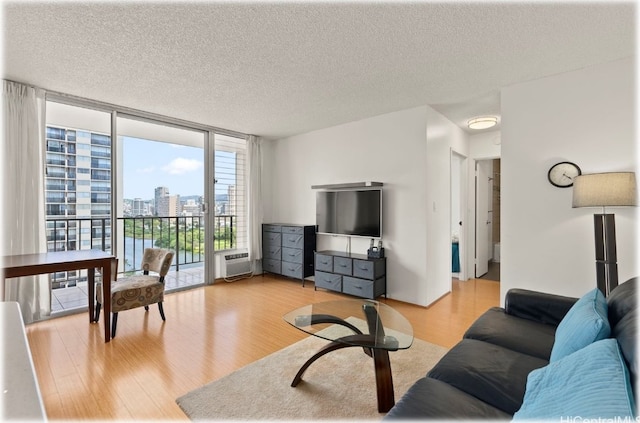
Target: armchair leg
[[97, 316], [161, 310], [114, 322]]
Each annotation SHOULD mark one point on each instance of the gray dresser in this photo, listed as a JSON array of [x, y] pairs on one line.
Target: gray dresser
[[353, 274], [287, 249]]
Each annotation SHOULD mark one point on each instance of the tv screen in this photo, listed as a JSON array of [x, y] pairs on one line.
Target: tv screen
[[347, 212]]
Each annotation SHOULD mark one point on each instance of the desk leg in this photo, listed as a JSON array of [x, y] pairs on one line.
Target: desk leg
[[106, 299], [91, 281]]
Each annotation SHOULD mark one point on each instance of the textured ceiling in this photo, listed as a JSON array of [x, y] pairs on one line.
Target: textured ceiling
[[281, 68]]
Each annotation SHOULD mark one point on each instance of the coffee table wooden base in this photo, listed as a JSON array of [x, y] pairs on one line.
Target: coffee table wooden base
[[384, 380]]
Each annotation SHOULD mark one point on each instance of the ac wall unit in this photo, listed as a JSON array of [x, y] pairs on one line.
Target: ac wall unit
[[236, 264]]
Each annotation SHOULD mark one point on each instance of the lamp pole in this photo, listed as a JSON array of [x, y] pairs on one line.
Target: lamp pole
[[606, 260]]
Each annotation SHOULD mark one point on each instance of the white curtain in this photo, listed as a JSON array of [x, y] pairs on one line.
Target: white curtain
[[23, 217], [254, 181]]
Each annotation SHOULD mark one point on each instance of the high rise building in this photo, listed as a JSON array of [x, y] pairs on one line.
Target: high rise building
[[191, 208], [232, 200], [138, 207], [77, 193], [159, 193], [166, 205]]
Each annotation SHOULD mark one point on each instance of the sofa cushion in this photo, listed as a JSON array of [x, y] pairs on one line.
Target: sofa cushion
[[622, 300], [592, 383], [491, 373], [515, 333], [623, 318], [585, 323], [538, 306], [431, 398]]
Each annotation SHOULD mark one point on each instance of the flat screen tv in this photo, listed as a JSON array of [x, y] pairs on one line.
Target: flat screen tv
[[350, 212]]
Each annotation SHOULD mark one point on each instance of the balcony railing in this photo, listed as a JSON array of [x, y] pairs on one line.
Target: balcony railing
[[183, 234]]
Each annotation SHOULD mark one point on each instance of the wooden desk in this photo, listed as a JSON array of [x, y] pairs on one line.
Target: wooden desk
[[61, 261]]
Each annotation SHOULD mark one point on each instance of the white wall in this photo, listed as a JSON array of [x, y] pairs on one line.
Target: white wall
[[588, 117], [443, 138], [392, 149], [485, 145]]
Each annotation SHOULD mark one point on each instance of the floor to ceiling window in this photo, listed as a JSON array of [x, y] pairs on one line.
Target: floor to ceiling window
[[146, 186], [230, 192], [161, 196], [77, 192]]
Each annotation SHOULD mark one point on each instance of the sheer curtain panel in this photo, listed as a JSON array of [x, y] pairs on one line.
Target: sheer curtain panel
[[254, 178], [23, 217]]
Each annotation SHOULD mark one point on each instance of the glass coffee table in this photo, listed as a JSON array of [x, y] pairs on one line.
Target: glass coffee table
[[373, 326]]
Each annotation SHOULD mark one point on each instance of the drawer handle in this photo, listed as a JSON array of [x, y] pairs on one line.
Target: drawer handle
[[324, 262], [342, 265], [358, 287]]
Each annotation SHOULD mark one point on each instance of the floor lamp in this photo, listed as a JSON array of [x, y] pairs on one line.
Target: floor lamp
[[605, 190]]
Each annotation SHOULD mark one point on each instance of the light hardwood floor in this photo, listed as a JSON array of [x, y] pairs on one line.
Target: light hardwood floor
[[209, 333]]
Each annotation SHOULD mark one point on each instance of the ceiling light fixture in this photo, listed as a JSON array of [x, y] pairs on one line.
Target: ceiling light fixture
[[483, 122]]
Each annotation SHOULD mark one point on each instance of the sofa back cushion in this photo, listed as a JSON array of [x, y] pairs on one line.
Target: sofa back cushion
[[623, 318], [585, 323], [622, 300]]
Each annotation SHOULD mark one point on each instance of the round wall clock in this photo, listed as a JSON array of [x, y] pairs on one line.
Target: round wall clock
[[562, 174]]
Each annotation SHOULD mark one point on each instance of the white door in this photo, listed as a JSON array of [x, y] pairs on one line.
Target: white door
[[483, 216]]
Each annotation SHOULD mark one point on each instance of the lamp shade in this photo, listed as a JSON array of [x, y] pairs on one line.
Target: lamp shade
[[605, 189]]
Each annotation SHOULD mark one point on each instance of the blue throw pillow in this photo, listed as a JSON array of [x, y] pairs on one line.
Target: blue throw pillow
[[592, 383], [585, 323]]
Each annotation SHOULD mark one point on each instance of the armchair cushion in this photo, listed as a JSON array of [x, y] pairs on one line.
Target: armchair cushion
[[133, 291], [136, 291]]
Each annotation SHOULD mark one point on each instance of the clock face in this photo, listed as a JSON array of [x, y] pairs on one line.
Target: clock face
[[562, 174]]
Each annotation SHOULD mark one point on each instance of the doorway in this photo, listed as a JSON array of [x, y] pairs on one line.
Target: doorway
[[487, 236], [458, 207]]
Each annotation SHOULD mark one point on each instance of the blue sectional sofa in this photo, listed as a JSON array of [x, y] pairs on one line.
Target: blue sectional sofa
[[542, 356]]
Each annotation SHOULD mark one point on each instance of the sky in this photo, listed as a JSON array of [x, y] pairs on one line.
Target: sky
[[150, 164]]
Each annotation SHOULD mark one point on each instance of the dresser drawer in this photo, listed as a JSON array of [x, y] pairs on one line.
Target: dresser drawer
[[342, 265], [272, 252], [272, 228], [363, 269], [363, 287], [328, 281], [293, 241], [298, 230], [292, 255], [359, 287], [273, 266], [272, 238], [293, 270], [324, 263]]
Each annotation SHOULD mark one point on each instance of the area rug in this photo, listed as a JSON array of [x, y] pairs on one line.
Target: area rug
[[340, 385]]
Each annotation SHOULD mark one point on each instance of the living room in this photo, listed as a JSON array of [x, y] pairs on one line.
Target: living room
[[584, 114]]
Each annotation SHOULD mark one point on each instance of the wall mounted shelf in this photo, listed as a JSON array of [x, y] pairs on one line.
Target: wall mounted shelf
[[349, 185]]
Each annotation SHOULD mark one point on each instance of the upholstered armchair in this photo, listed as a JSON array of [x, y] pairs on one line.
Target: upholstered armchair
[[135, 291]]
